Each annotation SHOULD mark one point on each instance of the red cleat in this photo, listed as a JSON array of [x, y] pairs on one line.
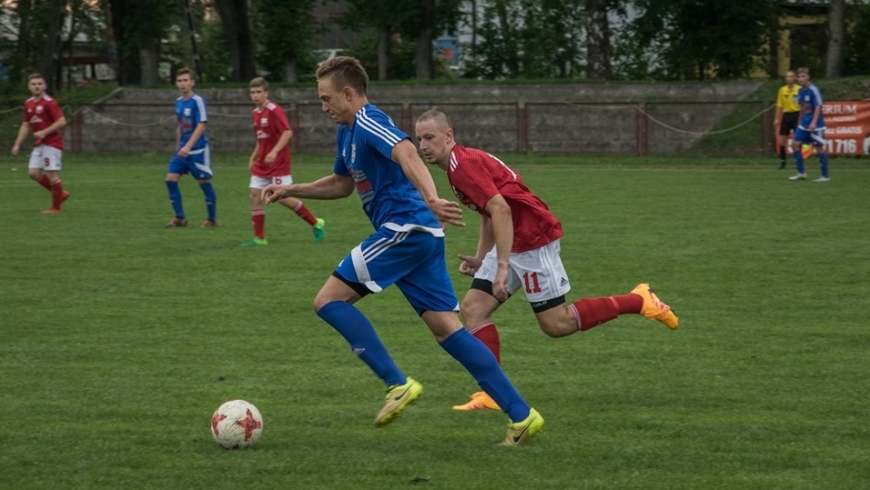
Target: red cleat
[[177, 223], [208, 224]]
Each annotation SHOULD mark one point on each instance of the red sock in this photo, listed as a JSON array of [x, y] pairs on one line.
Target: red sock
[[44, 182], [259, 219], [488, 334], [305, 214], [57, 194], [591, 312]]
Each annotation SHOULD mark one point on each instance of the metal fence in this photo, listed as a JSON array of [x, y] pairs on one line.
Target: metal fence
[[616, 128]]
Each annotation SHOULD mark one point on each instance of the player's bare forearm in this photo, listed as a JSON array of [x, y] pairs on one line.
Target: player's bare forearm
[[330, 187], [22, 133], [255, 153], [197, 134], [405, 154], [283, 140], [485, 240], [502, 227]]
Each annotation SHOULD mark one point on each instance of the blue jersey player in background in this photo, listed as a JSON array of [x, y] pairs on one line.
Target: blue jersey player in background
[[407, 248], [192, 151], [811, 129]]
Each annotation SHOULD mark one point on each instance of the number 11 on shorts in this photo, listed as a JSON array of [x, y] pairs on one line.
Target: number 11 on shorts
[[531, 282]]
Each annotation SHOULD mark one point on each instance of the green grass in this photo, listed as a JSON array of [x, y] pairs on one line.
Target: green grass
[[119, 338]]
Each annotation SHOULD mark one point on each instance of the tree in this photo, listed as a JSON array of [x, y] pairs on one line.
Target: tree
[[695, 40], [836, 34], [597, 40], [424, 38], [286, 36], [138, 28], [237, 29]]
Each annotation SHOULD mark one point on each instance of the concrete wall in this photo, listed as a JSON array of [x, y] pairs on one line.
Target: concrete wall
[[577, 118]]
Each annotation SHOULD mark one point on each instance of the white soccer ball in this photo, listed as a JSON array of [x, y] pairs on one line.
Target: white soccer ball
[[236, 424]]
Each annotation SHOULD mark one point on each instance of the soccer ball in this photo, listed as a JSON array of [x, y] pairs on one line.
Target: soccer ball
[[236, 424]]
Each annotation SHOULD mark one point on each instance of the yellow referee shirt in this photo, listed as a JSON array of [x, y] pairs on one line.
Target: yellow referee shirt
[[787, 98]]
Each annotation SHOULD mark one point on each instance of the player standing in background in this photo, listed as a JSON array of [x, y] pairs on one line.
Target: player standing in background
[[787, 113], [407, 249], [518, 247], [812, 126], [43, 116], [270, 162], [193, 154]]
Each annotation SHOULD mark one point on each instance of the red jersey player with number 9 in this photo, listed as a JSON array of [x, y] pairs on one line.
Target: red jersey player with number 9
[[518, 247], [270, 162], [43, 116]]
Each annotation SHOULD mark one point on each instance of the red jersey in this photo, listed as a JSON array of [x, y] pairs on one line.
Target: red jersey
[[477, 176], [40, 114], [269, 124]]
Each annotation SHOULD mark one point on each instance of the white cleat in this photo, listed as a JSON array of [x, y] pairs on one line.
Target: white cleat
[[822, 179], [798, 177]]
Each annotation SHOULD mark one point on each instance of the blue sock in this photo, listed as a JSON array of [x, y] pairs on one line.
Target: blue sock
[[361, 335], [210, 199], [175, 198], [481, 363], [823, 162], [799, 161]]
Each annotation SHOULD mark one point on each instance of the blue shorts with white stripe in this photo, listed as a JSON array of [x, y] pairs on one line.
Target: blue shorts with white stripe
[[412, 260]]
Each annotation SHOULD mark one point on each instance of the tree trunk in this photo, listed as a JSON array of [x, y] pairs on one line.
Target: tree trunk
[[598, 65], [291, 74], [51, 51], [384, 53], [148, 59], [237, 30], [129, 69], [423, 54], [512, 59], [22, 47], [836, 33]]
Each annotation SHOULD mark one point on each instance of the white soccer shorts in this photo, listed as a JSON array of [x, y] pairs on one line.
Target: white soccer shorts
[[538, 272], [46, 158], [262, 182]]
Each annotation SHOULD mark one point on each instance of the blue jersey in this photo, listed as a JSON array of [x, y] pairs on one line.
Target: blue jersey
[[809, 98], [388, 197], [189, 113]]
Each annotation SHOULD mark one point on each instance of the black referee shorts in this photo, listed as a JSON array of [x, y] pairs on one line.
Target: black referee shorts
[[788, 123]]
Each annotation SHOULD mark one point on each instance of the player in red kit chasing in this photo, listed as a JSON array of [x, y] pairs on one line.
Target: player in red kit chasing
[[270, 162], [518, 247], [43, 116]]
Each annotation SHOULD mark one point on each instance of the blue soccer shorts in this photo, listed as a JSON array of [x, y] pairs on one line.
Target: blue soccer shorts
[[412, 260], [816, 138], [197, 164]]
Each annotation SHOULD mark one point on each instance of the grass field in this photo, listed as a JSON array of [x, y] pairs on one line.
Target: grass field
[[118, 338]]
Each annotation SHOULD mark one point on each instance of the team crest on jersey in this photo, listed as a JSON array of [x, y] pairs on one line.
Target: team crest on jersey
[[264, 121], [353, 153], [39, 109], [187, 112]]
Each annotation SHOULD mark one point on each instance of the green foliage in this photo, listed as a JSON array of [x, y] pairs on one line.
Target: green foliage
[[113, 357], [856, 52], [401, 57], [216, 58], [528, 39], [286, 34], [686, 39]]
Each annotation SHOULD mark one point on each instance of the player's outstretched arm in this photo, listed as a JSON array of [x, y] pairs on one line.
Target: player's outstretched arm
[[330, 187], [503, 235], [405, 154], [22, 133]]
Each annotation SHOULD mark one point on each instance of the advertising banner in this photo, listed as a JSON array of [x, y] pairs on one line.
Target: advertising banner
[[847, 128]]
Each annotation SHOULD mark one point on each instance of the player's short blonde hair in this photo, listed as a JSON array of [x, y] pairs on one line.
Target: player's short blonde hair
[[345, 72], [35, 75], [442, 122], [803, 71], [259, 82]]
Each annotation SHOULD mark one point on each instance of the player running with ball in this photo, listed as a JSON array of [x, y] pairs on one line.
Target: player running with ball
[[518, 247], [407, 248]]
